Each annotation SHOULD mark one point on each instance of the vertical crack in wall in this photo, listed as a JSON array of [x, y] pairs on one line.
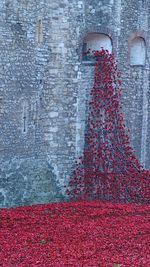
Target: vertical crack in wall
[[145, 116], [117, 16]]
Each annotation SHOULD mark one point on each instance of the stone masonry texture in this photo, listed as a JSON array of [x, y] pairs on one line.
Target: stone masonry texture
[[45, 86]]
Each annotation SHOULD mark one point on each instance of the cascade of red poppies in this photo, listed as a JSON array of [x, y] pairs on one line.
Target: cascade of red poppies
[[108, 168]]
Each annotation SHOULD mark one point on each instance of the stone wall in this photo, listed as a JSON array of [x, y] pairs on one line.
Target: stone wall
[[45, 85]]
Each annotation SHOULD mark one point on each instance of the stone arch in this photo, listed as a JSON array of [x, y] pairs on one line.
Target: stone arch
[[137, 51], [96, 41]]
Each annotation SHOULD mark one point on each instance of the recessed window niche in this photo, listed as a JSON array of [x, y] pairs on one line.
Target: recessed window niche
[[137, 51], [96, 41]]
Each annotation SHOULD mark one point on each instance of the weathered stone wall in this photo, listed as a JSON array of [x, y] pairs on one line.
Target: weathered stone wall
[[135, 22], [45, 85]]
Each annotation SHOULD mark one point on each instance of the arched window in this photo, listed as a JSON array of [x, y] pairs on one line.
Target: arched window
[[96, 41], [137, 51]]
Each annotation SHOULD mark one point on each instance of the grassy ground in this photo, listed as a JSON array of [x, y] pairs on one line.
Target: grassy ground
[[88, 234]]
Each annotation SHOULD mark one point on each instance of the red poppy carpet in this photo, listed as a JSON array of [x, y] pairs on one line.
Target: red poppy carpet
[[82, 233]]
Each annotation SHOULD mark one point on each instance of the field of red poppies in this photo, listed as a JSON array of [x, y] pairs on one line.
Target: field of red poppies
[[83, 233]]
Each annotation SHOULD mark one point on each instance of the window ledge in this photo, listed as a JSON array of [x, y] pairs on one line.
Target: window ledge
[[137, 65], [88, 63]]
